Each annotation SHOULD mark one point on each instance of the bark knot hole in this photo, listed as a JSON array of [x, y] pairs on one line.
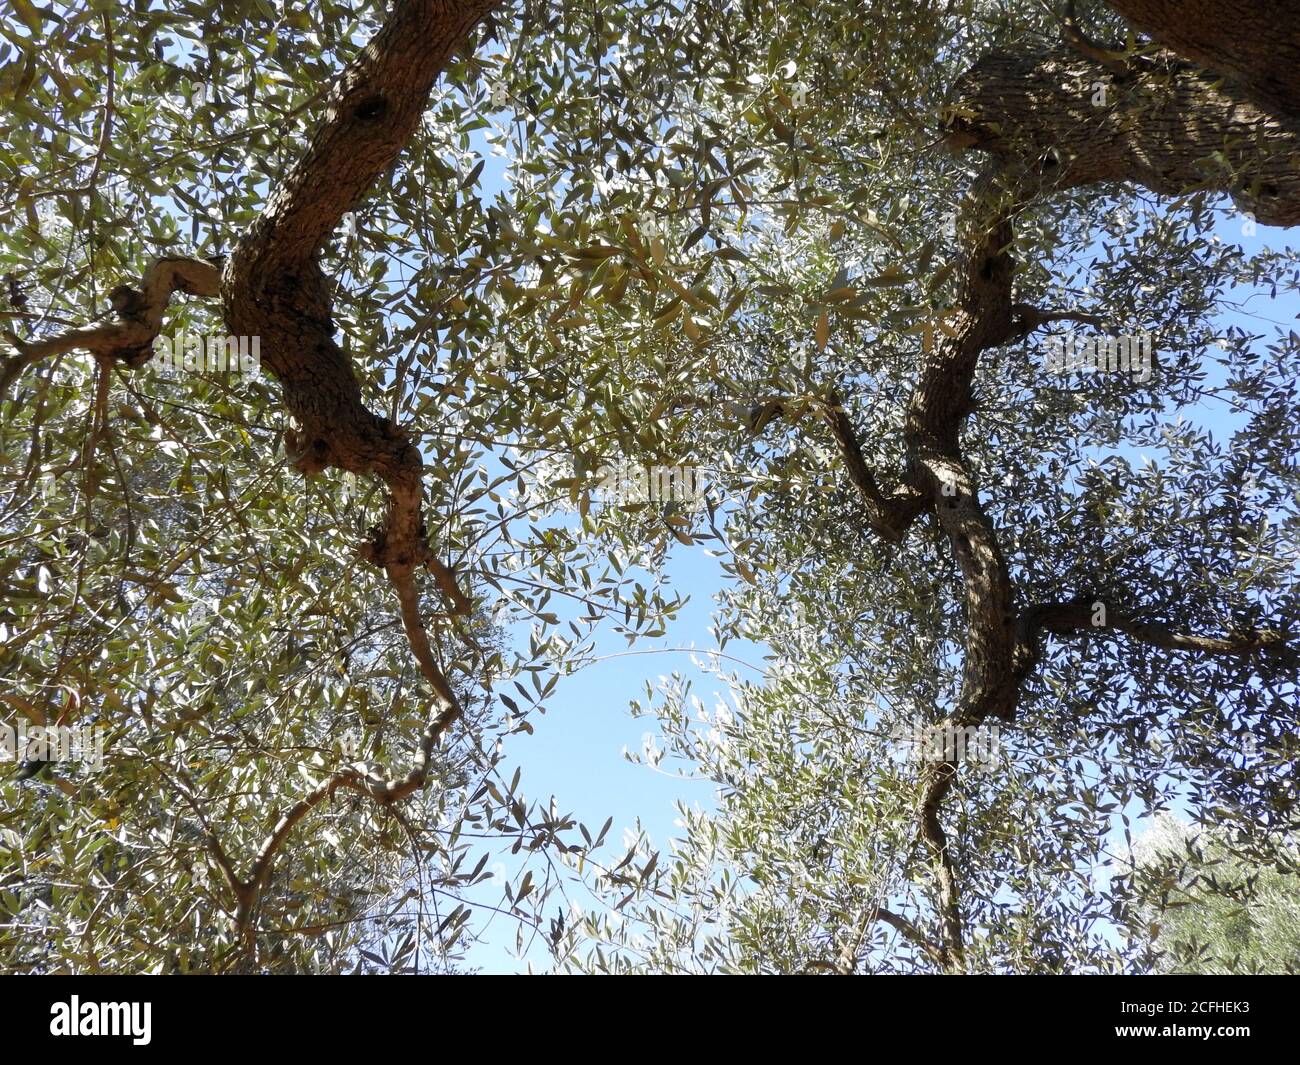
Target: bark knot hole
[[372, 109]]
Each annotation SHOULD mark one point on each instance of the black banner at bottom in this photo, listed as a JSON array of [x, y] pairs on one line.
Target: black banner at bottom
[[147, 1014]]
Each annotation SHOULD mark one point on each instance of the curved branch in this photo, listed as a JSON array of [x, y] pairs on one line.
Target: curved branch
[[374, 109], [912, 934], [1085, 45], [890, 516], [274, 288], [993, 668], [363, 778], [1167, 127], [1028, 319], [879, 915], [129, 339]]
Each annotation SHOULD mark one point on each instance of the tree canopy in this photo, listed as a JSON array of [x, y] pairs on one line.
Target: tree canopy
[[807, 260]]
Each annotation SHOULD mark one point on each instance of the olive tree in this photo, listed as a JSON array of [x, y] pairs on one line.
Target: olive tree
[[815, 251]]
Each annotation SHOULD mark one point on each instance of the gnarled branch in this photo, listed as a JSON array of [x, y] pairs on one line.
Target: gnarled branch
[[130, 338], [1169, 127], [274, 288], [891, 515]]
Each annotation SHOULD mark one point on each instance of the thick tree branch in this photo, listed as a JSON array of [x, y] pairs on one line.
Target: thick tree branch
[[1161, 124], [1255, 43], [274, 288], [935, 416], [374, 109], [992, 668], [1168, 126]]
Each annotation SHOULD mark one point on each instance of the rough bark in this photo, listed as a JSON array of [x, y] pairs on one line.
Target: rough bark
[[139, 319], [983, 318], [1255, 43], [273, 286], [1166, 125]]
